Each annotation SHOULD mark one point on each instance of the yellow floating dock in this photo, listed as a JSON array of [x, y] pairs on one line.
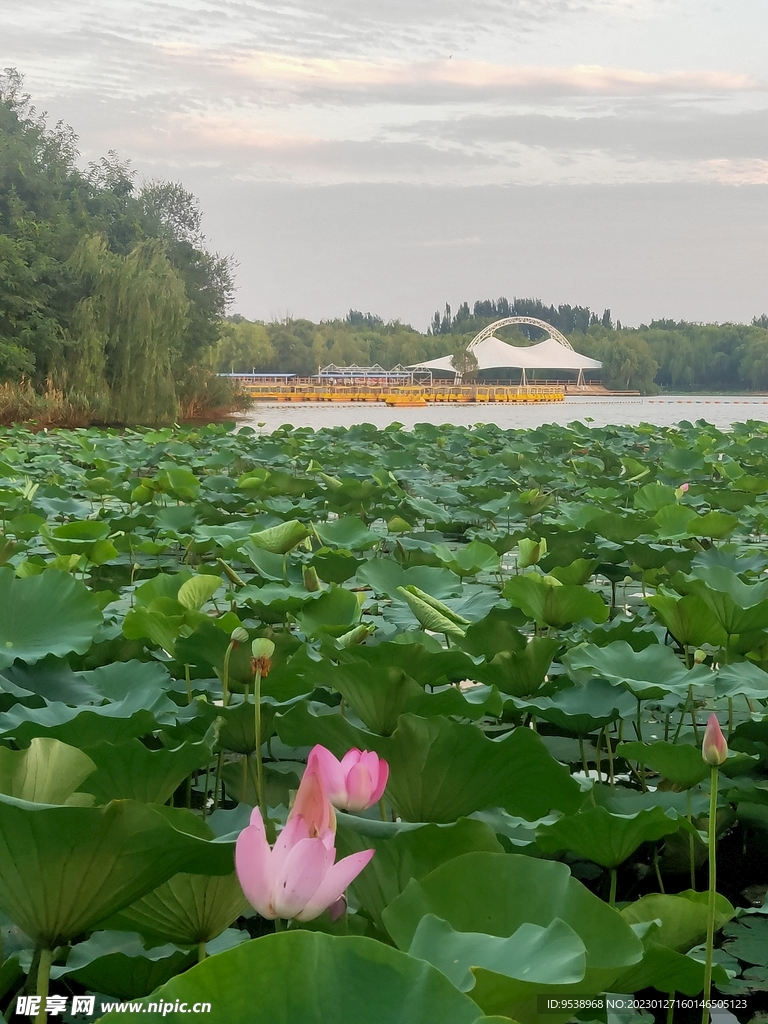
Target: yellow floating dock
[[406, 395]]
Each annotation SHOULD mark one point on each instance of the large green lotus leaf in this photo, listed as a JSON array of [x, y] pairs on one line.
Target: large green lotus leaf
[[47, 772], [748, 940], [52, 613], [280, 539], [273, 601], [347, 532], [674, 522], [344, 979], [384, 576], [551, 955], [494, 633], [63, 869], [85, 537], [162, 585], [187, 909], [607, 839], [739, 607], [651, 673], [653, 497], [335, 566], [475, 557], [131, 771], [619, 528], [334, 612], [667, 971], [689, 619], [419, 655], [194, 592], [407, 854], [582, 709], [497, 894], [577, 573], [139, 713], [742, 678], [379, 695], [714, 524], [522, 672], [117, 964], [680, 763], [442, 770], [683, 917], [556, 606]]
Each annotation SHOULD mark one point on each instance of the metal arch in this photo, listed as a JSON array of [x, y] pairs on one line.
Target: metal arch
[[491, 329]]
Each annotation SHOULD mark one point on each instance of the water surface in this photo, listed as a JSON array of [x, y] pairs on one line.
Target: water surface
[[720, 410]]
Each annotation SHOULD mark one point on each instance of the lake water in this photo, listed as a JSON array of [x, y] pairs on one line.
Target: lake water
[[721, 411]]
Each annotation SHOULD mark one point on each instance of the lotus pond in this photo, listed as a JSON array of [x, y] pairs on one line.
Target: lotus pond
[[531, 628]]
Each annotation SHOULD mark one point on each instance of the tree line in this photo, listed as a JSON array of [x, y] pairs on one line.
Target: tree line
[[673, 355], [108, 291]]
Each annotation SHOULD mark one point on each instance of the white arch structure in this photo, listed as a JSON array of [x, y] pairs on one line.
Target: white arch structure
[[553, 352], [490, 330]]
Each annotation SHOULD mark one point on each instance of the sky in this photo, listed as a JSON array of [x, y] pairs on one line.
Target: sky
[[394, 155]]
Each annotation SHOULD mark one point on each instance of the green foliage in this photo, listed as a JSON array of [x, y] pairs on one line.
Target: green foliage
[[106, 291], [542, 727]]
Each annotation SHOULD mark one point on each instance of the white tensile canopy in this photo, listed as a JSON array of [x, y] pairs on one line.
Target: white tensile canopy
[[493, 353]]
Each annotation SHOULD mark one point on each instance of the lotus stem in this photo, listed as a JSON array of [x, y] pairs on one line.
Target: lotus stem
[[614, 882], [188, 681], [201, 953], [225, 674], [657, 869], [219, 762], [257, 735], [691, 847], [671, 1008], [43, 979], [712, 838], [609, 751], [280, 925]]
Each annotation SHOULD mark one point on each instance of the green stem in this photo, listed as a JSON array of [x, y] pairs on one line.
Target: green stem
[[225, 676], [657, 869], [43, 978], [609, 751], [201, 953], [671, 1008], [189, 684], [257, 734], [691, 847], [383, 809], [614, 882], [712, 838], [280, 925], [219, 762]]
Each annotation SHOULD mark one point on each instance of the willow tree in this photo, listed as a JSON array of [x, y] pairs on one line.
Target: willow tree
[[126, 331]]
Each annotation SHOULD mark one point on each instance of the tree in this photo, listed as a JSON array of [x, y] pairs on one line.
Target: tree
[[628, 364]]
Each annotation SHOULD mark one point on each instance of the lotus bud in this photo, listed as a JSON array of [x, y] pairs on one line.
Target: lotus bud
[[714, 748], [239, 636], [311, 579], [699, 656], [262, 651], [354, 783]]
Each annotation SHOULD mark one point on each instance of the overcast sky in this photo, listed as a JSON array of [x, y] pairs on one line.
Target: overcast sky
[[392, 155]]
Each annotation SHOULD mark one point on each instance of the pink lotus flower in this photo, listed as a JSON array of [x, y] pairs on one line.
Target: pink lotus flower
[[297, 878], [714, 748], [354, 783]]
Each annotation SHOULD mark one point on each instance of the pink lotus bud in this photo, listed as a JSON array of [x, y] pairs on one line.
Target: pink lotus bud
[[684, 487], [714, 749], [297, 877], [313, 805], [354, 783]]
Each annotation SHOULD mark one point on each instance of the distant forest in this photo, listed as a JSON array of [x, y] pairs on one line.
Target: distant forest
[[669, 354], [111, 302]]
